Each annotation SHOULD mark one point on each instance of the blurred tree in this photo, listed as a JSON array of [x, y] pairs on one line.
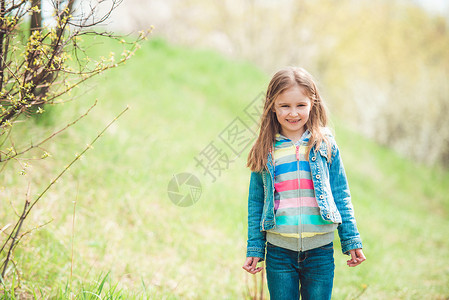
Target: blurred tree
[[395, 60], [381, 64]]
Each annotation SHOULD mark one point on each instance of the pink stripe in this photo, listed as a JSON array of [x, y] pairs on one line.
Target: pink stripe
[[286, 185], [294, 202], [309, 201], [307, 184], [292, 184]]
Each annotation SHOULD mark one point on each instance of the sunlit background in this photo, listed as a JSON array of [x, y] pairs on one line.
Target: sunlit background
[[113, 226], [381, 64]]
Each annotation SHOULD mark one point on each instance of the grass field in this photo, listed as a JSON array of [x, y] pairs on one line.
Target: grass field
[[131, 241]]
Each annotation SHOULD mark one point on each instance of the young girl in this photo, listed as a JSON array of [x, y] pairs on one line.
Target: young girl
[[298, 193]]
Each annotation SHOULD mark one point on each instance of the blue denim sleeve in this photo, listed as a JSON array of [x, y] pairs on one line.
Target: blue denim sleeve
[[347, 230], [256, 238]]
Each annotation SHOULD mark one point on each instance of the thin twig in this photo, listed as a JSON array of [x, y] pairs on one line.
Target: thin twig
[[52, 135], [255, 287], [16, 233], [4, 228], [73, 161], [28, 207], [31, 230], [262, 284], [13, 208]]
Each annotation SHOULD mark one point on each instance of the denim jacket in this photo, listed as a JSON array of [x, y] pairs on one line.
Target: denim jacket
[[331, 192]]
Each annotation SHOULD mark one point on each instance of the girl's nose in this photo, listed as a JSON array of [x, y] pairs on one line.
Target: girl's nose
[[293, 112]]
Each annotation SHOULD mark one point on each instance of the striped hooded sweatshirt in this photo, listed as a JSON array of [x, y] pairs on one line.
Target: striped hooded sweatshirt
[[299, 225]]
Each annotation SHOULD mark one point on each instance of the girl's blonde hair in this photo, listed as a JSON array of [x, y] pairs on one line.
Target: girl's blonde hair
[[269, 125]]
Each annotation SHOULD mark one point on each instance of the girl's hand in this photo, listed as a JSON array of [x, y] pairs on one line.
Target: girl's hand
[[250, 265], [357, 257]]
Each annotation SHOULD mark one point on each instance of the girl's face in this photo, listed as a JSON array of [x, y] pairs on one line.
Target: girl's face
[[292, 108]]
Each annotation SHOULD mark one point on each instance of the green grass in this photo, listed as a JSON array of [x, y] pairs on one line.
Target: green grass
[[125, 225]]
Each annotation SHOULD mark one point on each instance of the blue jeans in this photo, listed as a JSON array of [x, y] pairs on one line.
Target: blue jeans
[[291, 273]]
